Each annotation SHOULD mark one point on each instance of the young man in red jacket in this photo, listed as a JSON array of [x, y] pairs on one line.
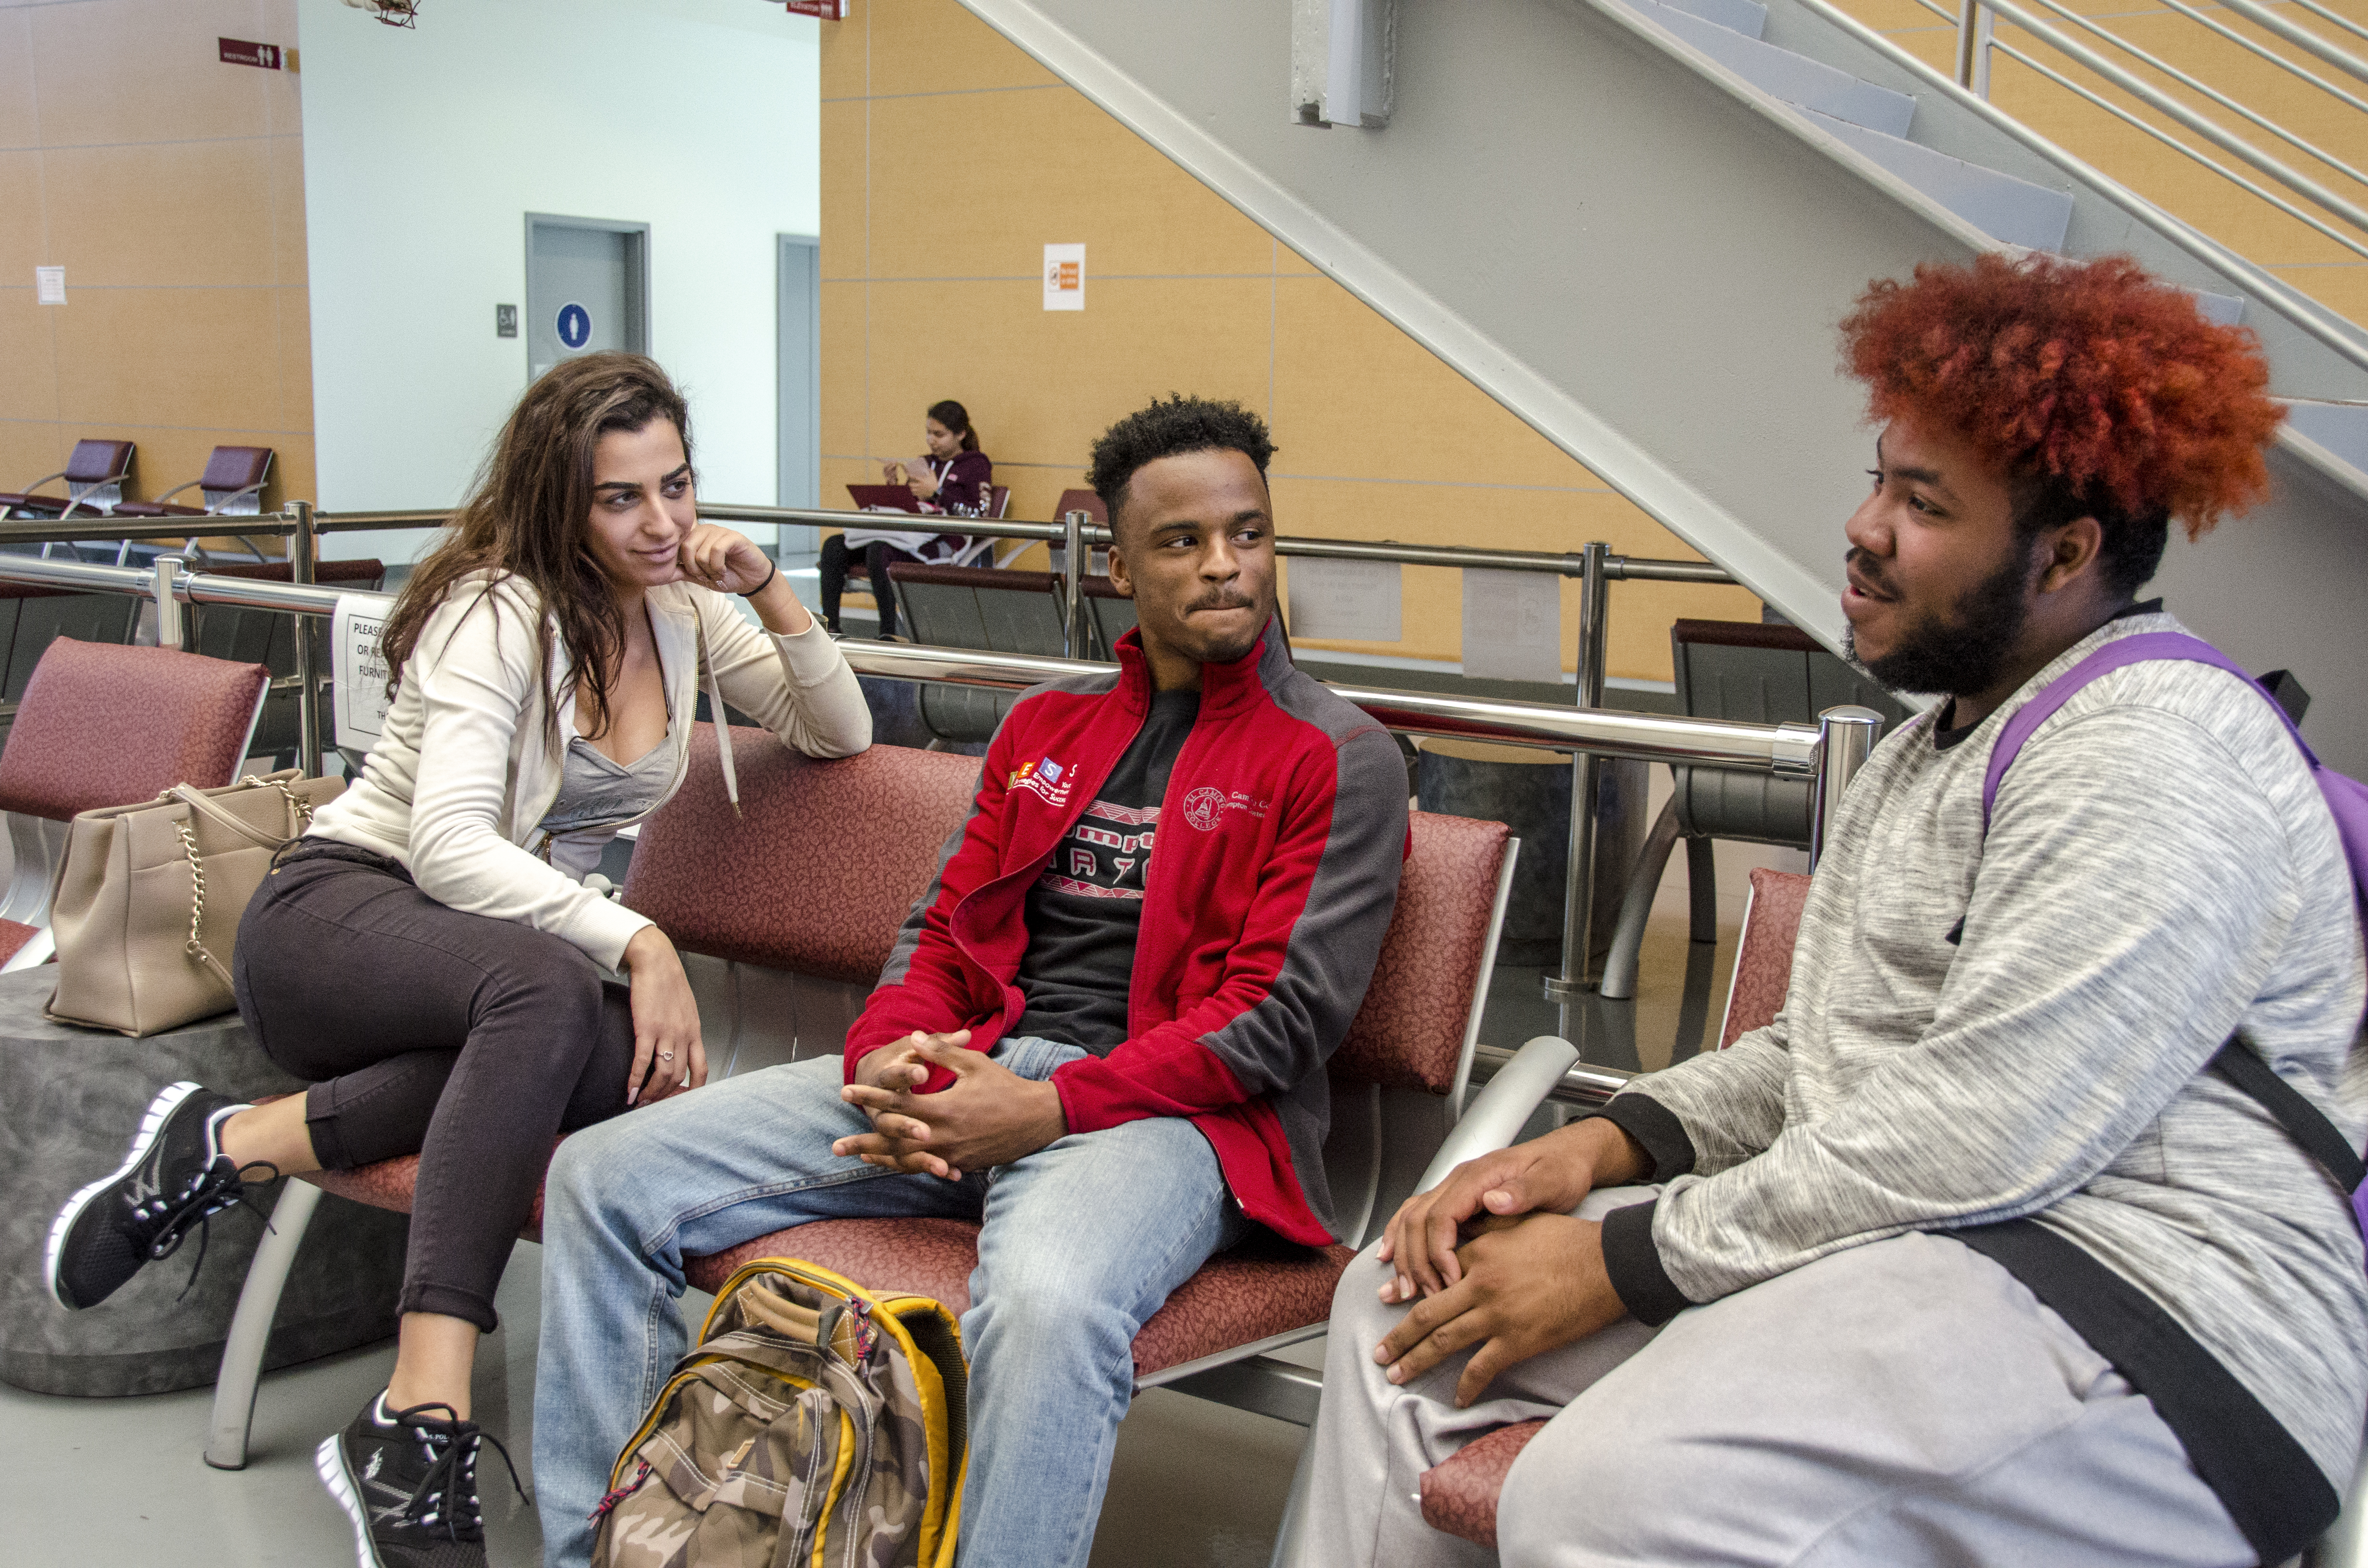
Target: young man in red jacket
[[1154, 1020]]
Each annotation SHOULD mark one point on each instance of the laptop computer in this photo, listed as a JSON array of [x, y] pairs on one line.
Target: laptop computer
[[883, 498]]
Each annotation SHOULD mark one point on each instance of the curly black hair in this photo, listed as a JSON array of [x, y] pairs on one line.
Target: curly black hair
[[1168, 429]]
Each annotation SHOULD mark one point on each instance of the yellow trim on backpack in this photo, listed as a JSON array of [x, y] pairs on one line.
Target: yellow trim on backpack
[[939, 1529]]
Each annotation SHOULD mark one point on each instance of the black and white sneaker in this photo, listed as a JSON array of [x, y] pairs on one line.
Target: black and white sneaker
[[409, 1481], [175, 1176]]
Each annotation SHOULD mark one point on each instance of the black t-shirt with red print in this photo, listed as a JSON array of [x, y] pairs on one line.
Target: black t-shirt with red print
[[1086, 905]]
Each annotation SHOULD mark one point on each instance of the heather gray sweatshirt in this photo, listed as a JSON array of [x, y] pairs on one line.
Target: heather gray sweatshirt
[[1980, 1029]]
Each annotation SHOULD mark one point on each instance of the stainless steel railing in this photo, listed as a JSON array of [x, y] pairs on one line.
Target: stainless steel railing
[[1587, 730], [1828, 754], [1975, 20]]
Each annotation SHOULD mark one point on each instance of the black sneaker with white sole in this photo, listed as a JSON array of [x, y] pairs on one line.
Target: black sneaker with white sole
[[175, 1176], [409, 1481]]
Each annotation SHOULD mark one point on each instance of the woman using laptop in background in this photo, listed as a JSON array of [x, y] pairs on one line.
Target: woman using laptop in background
[[953, 478]]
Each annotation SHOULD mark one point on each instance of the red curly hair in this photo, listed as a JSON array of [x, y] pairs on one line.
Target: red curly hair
[[2090, 379]]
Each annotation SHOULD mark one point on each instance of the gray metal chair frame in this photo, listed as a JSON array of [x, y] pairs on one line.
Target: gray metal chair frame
[[95, 493], [1741, 670], [1108, 613], [974, 607]]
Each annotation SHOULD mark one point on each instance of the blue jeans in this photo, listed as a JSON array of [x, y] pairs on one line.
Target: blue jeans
[[1082, 1240]]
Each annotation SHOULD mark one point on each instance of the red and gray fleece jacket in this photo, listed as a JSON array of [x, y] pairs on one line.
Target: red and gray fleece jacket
[[1272, 881]]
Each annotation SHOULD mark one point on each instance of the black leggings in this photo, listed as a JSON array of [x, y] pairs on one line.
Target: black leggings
[[833, 566], [469, 1041]]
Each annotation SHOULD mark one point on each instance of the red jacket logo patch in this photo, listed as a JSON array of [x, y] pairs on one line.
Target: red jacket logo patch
[[1205, 806]]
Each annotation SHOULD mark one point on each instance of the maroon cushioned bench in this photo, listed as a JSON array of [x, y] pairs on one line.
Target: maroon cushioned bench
[[1413, 1032], [784, 886]]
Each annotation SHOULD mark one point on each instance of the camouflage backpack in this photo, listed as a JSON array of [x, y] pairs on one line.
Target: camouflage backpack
[[815, 1424]]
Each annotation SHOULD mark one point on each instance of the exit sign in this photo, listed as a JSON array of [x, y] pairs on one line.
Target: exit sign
[[828, 11], [239, 52]]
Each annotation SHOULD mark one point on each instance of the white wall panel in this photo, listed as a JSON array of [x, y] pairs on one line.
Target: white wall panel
[[425, 149]]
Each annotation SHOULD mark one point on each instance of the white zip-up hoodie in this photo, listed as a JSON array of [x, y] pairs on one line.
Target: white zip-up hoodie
[[466, 770]]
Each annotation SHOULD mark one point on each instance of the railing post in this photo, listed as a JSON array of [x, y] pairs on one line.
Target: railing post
[[173, 626], [303, 558], [1072, 592], [1973, 24], [1845, 737], [1586, 776]]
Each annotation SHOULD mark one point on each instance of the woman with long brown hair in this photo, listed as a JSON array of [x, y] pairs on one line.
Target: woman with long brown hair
[[429, 955]]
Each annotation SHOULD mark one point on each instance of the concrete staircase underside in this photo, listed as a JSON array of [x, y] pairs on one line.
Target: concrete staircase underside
[[1636, 225]]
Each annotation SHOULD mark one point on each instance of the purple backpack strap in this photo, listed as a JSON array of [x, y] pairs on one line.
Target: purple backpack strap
[[2120, 654], [2346, 798]]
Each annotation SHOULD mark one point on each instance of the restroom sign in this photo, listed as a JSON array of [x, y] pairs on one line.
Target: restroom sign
[[240, 52], [1065, 278], [575, 325]]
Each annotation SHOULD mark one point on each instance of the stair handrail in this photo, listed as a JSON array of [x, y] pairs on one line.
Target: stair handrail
[[2163, 103], [2330, 328], [2242, 182]]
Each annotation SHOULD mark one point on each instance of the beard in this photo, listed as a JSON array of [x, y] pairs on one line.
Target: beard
[[1967, 651]]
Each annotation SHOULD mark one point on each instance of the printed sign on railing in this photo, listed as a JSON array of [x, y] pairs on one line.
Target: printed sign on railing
[[360, 671]]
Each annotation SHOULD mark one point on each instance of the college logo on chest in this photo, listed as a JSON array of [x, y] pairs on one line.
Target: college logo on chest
[[1046, 778], [1205, 807]]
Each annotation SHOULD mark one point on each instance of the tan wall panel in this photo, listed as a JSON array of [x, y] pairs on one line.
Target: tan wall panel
[[292, 470], [846, 204], [19, 120], [844, 369], [292, 364], [170, 187], [845, 61], [288, 258], [150, 70], [29, 385], [1043, 384], [168, 457], [1354, 395], [179, 214], [935, 46], [30, 449], [22, 242], [1895, 17], [1039, 167], [180, 356], [2343, 288]]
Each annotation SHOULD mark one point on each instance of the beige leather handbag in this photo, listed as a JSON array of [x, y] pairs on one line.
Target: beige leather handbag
[[148, 898]]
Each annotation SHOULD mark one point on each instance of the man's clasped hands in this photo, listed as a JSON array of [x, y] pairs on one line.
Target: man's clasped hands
[[1489, 1258], [1492, 1257], [986, 1116]]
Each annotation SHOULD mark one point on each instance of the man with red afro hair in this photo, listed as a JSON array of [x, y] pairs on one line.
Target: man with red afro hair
[[1966, 1258]]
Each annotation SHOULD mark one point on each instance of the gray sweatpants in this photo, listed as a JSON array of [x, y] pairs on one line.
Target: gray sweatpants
[[1903, 1403]]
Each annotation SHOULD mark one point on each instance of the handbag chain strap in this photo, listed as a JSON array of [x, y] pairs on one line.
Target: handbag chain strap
[[195, 946], [296, 803]]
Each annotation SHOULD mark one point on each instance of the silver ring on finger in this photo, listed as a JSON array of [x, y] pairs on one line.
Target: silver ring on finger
[[665, 1055]]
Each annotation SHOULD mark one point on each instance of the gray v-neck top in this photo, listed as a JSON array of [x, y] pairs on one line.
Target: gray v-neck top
[[594, 789]]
